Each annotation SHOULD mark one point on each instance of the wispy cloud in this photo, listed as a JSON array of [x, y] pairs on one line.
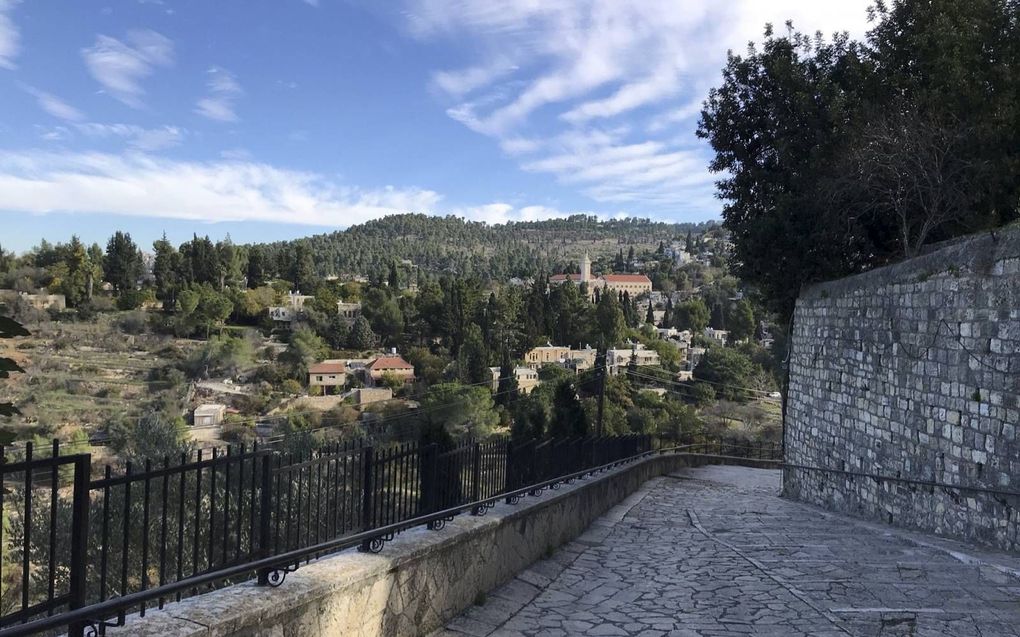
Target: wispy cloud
[[143, 185], [54, 105], [10, 39], [238, 189], [120, 67], [223, 92], [138, 137], [604, 94]]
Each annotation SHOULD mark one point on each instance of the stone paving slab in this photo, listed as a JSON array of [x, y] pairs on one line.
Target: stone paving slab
[[714, 551]]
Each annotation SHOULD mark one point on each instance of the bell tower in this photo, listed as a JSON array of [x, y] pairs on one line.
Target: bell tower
[[586, 268]]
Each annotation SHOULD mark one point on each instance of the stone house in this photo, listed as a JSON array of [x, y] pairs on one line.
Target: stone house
[[546, 354], [393, 365], [330, 373]]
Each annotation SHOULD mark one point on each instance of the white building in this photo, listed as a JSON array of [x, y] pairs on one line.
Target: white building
[[208, 415], [292, 307], [621, 357], [718, 336]]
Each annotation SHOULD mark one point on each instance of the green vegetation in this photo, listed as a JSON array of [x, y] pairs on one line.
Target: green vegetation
[[839, 156]]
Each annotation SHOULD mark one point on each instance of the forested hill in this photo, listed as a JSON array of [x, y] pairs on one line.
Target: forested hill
[[452, 244]]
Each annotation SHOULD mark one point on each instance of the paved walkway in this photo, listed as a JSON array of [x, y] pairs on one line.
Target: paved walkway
[[715, 551]]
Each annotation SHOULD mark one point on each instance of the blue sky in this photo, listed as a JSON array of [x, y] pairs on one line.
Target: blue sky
[[271, 119]]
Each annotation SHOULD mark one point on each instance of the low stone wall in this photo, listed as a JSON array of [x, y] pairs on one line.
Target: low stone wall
[[420, 580]]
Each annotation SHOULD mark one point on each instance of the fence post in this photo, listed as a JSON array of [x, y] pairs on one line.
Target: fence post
[[511, 471], [476, 480], [367, 488], [79, 538], [265, 515]]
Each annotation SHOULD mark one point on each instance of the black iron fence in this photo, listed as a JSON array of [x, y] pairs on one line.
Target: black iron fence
[[81, 551]]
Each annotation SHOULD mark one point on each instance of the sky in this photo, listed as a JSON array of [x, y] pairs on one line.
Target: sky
[[275, 119]]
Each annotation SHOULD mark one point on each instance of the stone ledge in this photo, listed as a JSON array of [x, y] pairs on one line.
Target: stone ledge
[[421, 580]]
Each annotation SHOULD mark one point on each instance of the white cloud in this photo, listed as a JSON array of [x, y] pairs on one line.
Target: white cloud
[[120, 67], [236, 189], [142, 185], [138, 137], [54, 105], [574, 87], [10, 39], [223, 92]]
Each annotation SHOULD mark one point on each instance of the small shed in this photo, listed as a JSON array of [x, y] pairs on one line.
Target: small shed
[[208, 414]]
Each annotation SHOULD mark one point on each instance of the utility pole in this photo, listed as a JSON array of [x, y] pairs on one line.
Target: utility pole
[[600, 368]]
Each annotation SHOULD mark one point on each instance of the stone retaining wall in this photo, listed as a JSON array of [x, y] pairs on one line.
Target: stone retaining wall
[[420, 580], [913, 371]]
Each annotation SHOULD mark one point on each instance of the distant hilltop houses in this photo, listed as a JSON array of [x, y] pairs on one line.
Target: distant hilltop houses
[[633, 284]]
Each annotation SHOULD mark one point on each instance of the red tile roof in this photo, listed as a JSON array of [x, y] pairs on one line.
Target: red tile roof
[[627, 278], [557, 278], [328, 368], [390, 362]]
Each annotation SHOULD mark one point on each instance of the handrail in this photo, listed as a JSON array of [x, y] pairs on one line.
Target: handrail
[[94, 613]]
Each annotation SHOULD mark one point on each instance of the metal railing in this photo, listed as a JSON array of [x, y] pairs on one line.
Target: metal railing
[[83, 552]]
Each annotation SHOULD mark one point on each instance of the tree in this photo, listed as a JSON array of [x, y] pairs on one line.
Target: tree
[[914, 171], [841, 156], [650, 315], [362, 337], [507, 390], [154, 436], [338, 334], [692, 315], [304, 349], [383, 314], [95, 269], [473, 362], [609, 321], [302, 271], [727, 370], [200, 261], [123, 262], [462, 411], [393, 277], [75, 274], [568, 417], [166, 270], [741, 321], [200, 309], [257, 271], [229, 266]]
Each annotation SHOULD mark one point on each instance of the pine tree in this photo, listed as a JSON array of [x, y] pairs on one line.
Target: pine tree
[[256, 271], [507, 390], [650, 315], [568, 417], [166, 270], [123, 262]]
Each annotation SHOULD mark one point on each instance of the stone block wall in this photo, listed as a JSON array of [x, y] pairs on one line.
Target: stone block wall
[[912, 371]]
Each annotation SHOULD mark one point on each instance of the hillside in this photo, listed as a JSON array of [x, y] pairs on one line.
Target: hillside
[[452, 244]]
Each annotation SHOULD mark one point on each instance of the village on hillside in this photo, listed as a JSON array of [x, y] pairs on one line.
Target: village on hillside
[[264, 359]]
